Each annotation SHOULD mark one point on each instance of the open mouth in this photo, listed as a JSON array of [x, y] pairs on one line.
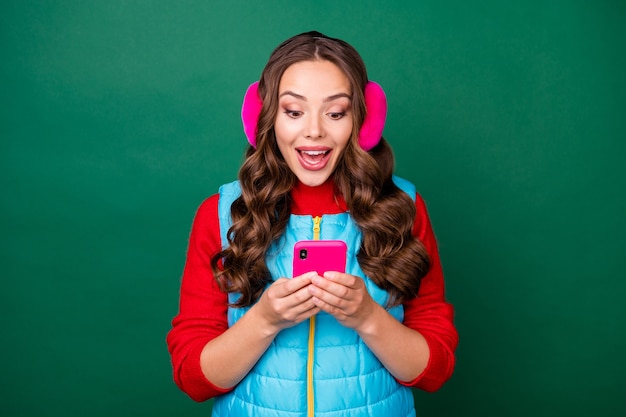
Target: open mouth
[[314, 159]]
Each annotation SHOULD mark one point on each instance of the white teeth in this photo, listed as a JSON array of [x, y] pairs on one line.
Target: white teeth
[[314, 153]]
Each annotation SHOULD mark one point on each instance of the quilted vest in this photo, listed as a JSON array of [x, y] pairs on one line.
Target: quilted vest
[[318, 367]]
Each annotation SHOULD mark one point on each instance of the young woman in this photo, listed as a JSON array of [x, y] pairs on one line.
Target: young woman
[[264, 343]]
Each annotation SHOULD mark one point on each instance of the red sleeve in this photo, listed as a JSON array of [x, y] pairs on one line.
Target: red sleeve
[[203, 307], [430, 314]]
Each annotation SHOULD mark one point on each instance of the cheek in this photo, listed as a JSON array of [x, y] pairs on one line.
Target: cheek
[[284, 132], [283, 146], [280, 135], [345, 135], [284, 142]]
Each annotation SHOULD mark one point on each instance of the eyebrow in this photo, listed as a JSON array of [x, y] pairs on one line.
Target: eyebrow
[[326, 100]]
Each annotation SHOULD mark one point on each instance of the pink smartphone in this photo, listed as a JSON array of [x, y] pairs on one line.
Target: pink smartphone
[[319, 256]]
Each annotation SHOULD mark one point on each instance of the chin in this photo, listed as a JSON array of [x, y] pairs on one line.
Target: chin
[[313, 180]]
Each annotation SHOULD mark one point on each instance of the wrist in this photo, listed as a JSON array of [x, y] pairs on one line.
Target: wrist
[[370, 326], [259, 321]]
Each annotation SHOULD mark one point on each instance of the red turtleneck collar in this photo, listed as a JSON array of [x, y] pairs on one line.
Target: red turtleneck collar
[[317, 201]]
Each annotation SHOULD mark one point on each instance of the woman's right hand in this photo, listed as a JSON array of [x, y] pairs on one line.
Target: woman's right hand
[[286, 303], [228, 358]]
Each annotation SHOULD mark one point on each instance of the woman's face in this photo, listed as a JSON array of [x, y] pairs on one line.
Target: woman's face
[[314, 119]]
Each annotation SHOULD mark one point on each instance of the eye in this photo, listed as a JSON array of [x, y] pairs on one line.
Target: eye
[[337, 115], [294, 114]]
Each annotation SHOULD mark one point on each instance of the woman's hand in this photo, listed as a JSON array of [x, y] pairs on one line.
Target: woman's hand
[[403, 351], [228, 358], [287, 302], [343, 296]]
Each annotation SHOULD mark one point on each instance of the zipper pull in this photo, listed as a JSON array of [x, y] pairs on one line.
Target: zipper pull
[[317, 220]]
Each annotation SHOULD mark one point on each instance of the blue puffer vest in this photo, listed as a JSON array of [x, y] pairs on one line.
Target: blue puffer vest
[[347, 379]]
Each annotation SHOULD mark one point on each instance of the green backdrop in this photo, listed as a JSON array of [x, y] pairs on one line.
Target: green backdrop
[[119, 117]]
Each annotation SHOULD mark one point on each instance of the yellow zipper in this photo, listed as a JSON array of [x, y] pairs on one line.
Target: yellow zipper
[[317, 220]]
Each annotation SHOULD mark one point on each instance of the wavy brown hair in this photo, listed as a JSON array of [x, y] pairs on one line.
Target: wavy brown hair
[[389, 254]]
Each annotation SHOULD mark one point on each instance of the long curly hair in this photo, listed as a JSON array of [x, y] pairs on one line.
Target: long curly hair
[[389, 254]]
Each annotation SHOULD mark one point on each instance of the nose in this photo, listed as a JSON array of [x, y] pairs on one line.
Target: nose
[[314, 127]]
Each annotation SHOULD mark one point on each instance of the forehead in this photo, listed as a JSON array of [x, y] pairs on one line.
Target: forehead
[[314, 76]]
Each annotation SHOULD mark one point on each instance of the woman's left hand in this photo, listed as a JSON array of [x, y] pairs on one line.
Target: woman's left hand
[[343, 296], [403, 351]]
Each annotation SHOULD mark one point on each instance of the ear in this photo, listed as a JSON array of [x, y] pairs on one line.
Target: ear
[[250, 111], [376, 106]]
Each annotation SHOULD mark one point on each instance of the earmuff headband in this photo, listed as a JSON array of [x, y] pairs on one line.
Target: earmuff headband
[[369, 135]]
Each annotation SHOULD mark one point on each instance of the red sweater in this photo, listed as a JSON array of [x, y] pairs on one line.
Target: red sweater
[[203, 307]]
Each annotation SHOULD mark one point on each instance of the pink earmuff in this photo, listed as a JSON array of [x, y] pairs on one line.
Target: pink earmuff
[[369, 135]]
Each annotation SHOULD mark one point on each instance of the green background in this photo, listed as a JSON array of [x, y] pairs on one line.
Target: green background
[[119, 117]]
